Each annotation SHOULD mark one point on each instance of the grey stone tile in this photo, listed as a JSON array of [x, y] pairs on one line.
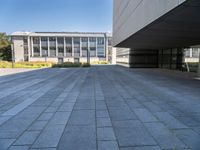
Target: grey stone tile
[[37, 125], [49, 137], [51, 109], [169, 120], [101, 106], [66, 107], [165, 138], [19, 148], [152, 107], [144, 115], [105, 134], [121, 114], [60, 118], [102, 114], [188, 136], [5, 143], [84, 105], [127, 124], [78, 138], [6, 134], [107, 145], [27, 138], [104, 122], [134, 103], [45, 116], [133, 137], [43, 149], [142, 148], [82, 117], [4, 119], [188, 121]]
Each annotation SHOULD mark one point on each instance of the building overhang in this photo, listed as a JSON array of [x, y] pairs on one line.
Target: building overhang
[[178, 28]]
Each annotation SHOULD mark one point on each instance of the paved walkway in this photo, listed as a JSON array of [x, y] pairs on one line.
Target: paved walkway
[[9, 71], [102, 107]]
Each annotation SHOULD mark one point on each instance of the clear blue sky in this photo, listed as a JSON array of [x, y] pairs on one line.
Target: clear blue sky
[[55, 15]]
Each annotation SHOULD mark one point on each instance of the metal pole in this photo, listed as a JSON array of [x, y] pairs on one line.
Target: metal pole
[[12, 53], [88, 52]]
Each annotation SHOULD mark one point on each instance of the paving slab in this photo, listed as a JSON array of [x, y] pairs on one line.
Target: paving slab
[[99, 108]]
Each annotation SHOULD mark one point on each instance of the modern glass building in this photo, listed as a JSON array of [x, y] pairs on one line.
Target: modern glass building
[[61, 46], [157, 32]]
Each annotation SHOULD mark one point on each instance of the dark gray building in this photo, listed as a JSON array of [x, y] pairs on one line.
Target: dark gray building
[[156, 31]]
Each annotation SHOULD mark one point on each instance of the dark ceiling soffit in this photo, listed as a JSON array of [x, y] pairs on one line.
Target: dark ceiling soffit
[[188, 3]]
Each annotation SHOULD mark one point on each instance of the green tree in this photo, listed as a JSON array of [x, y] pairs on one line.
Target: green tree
[[5, 47]]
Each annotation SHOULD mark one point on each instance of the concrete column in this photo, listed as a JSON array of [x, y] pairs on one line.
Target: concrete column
[[29, 48], [56, 47], [72, 46], [190, 52], [113, 55], [199, 65], [96, 48], [40, 47], [80, 47], [105, 48], [48, 46], [64, 48], [32, 47]]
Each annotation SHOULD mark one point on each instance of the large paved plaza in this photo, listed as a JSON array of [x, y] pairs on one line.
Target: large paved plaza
[[99, 108]]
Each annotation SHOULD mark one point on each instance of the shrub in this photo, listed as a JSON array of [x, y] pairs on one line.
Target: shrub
[[99, 62], [193, 67], [5, 64], [70, 64]]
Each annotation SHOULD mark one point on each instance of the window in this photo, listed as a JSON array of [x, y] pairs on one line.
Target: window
[[52, 46], [92, 46], [68, 41], [60, 41], [195, 52], [100, 41], [84, 41], [100, 47], [36, 51], [109, 41], [36, 47], [25, 40], [44, 46], [76, 46], [187, 52], [36, 40]]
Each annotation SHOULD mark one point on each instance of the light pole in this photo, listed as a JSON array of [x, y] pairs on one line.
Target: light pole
[[88, 56], [13, 55]]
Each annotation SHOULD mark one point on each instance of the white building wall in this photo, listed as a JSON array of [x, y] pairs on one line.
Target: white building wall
[[131, 16], [18, 48]]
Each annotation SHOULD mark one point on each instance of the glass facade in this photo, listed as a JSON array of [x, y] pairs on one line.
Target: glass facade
[[44, 46], [84, 41], [36, 47], [100, 47], [52, 46], [77, 47], [60, 41], [68, 42], [92, 46]]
